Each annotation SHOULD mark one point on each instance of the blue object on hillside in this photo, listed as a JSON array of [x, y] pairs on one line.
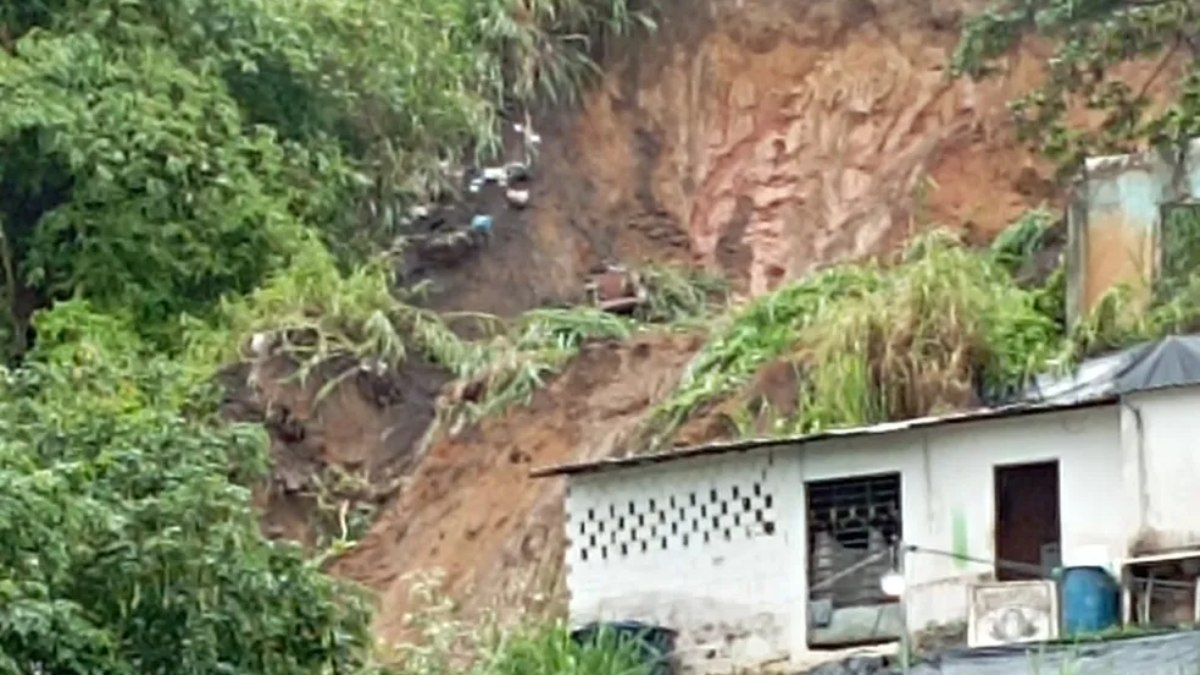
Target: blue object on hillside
[[655, 644], [481, 223], [1091, 600]]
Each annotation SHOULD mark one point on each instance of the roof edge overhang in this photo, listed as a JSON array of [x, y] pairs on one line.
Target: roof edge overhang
[[715, 449]]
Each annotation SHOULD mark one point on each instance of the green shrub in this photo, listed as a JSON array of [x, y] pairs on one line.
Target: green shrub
[[131, 544], [878, 342]]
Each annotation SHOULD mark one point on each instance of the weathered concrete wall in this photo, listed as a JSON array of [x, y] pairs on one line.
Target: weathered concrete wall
[[1161, 468], [1114, 219], [708, 547], [949, 501], [743, 602]]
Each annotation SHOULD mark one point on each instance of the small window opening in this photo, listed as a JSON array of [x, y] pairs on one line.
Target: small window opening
[[852, 524]]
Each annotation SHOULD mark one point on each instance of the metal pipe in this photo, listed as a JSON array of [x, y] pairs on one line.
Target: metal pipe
[[995, 562], [825, 583]]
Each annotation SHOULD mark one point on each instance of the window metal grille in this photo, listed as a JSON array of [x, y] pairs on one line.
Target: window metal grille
[[852, 525]]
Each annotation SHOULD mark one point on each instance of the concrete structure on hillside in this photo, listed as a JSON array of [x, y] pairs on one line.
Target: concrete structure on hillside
[[1128, 215], [770, 551]]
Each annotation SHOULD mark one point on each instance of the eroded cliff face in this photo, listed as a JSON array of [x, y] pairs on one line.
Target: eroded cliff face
[[763, 139], [797, 134]]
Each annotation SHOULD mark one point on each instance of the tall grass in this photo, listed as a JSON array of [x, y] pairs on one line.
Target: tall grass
[[947, 327], [937, 327], [442, 643], [515, 359], [749, 339], [679, 296], [875, 342], [547, 48], [508, 368], [313, 314]]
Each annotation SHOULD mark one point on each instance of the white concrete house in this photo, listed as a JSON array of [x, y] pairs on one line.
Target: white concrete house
[[739, 546]]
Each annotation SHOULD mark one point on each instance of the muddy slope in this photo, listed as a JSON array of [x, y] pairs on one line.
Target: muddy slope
[[331, 447], [471, 510], [762, 139]]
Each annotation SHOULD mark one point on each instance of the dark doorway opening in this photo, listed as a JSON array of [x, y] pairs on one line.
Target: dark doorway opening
[[1028, 534]]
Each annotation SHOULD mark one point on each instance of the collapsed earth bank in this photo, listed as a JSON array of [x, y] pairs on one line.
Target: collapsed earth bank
[[760, 139]]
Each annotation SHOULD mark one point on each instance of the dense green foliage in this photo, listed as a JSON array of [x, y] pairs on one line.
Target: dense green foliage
[[878, 342], [131, 545], [130, 542], [1092, 39], [179, 175], [163, 154]]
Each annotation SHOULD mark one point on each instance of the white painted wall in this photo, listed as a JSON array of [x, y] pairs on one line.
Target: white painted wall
[[960, 486], [734, 602], [744, 602], [948, 484], [1163, 466]]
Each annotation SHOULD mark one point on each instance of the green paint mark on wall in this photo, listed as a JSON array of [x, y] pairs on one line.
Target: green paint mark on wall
[[960, 540]]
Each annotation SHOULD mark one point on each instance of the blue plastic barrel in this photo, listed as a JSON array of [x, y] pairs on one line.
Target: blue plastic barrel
[[1091, 600]]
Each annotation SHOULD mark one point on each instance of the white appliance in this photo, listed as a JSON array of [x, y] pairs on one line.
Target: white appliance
[[1007, 612]]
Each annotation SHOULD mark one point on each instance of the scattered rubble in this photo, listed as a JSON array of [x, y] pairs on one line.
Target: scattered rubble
[[615, 289]]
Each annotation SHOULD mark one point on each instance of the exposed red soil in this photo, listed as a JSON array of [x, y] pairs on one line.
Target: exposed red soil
[[471, 510], [760, 139]]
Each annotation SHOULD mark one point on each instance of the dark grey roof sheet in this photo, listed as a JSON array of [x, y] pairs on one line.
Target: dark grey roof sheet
[[1170, 362]]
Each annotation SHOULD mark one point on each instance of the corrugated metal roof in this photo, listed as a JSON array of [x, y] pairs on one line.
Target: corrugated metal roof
[[1015, 410]]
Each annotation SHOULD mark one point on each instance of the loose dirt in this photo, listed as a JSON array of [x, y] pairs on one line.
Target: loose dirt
[[367, 427], [762, 140], [471, 510]]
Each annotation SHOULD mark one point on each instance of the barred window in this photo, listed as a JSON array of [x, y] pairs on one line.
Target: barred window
[[852, 525]]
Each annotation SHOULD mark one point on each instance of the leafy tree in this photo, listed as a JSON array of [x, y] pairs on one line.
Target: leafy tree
[[172, 203], [130, 541], [163, 154], [1093, 38], [175, 172]]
